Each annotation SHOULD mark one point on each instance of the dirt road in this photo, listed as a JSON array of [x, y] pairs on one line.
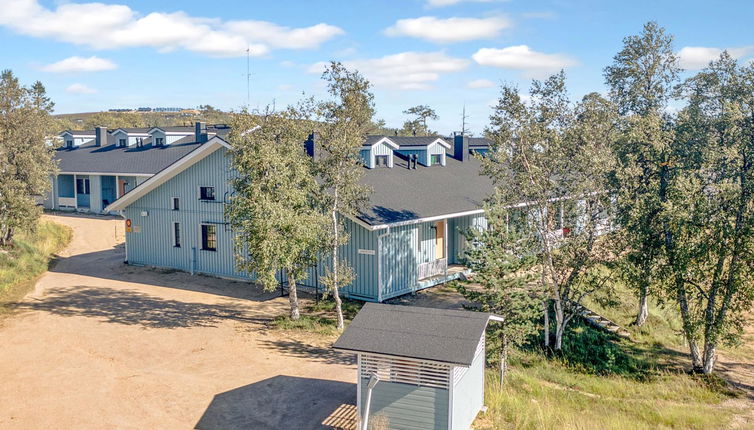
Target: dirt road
[[100, 344]]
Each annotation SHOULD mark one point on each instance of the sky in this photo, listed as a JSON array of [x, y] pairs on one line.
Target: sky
[[443, 53]]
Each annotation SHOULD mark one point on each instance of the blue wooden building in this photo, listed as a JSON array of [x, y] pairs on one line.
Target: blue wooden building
[[97, 167], [410, 237]]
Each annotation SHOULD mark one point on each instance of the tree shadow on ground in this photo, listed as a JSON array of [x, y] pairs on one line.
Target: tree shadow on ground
[[130, 307], [280, 402], [296, 348]]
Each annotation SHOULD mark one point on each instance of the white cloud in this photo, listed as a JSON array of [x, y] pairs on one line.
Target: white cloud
[[698, 57], [480, 83], [284, 37], [106, 26], [80, 64], [443, 3], [449, 30], [80, 89], [531, 63], [404, 71]]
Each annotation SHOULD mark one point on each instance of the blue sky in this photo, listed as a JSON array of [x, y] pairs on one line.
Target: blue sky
[[444, 53]]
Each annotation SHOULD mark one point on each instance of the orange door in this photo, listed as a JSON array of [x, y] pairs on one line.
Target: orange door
[[440, 239], [121, 187]]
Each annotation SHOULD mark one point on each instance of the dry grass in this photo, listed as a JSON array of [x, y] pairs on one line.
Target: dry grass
[[29, 257]]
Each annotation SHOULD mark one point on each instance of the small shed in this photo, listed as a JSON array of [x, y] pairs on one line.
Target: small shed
[[418, 368]]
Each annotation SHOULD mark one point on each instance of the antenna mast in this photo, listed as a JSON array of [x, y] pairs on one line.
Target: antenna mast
[[248, 77], [463, 120]]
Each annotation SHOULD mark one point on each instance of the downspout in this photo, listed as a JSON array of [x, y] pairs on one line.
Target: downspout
[[379, 263], [372, 383]]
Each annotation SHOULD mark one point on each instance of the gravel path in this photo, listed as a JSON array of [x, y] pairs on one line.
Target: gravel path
[[99, 344]]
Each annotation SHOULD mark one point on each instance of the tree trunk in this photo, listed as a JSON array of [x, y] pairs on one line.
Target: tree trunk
[[503, 359], [559, 324], [709, 358], [641, 317], [293, 297], [547, 324], [335, 285]]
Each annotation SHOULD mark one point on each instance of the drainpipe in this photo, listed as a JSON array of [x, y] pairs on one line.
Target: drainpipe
[[379, 264], [372, 383], [193, 259]]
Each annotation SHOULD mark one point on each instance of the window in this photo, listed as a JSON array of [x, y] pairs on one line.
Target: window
[[209, 237], [159, 141], [177, 234], [69, 143], [206, 193], [176, 203], [121, 142], [382, 160], [82, 186], [436, 159]]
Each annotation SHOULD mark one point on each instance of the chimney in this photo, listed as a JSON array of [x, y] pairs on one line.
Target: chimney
[[100, 136], [460, 147], [200, 131], [311, 146]]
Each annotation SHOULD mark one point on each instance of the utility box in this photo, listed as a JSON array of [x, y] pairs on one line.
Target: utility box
[[418, 368]]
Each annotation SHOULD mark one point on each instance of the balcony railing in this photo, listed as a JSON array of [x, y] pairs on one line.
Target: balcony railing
[[432, 268], [67, 201]]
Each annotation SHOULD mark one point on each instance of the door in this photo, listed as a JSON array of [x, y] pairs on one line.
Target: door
[[439, 240], [121, 187]]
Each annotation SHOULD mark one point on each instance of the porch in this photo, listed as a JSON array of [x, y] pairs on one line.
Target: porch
[[440, 272]]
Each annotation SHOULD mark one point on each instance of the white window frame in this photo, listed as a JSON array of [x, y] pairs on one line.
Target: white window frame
[[201, 239], [199, 192], [176, 244]]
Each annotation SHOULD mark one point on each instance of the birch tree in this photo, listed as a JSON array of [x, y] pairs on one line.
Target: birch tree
[[545, 154], [710, 209], [273, 213], [641, 80], [346, 120], [26, 158]]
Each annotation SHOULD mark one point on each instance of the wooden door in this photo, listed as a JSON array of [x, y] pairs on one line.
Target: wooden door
[[121, 187], [440, 240]]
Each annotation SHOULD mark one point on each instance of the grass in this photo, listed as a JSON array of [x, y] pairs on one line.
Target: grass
[[318, 317], [28, 258], [542, 393]]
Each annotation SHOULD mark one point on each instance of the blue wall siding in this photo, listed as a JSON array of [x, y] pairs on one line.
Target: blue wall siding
[[422, 153], [364, 264], [407, 406], [468, 394], [366, 158], [65, 186], [153, 245]]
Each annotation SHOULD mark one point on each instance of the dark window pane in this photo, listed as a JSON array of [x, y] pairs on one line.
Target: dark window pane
[[176, 234], [209, 237], [207, 193]]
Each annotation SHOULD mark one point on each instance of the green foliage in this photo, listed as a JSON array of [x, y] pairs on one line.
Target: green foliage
[[274, 212], [346, 120], [26, 158], [555, 158], [28, 258], [115, 120], [641, 79], [418, 124]]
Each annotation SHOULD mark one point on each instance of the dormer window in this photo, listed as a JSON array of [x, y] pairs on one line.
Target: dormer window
[[159, 141], [69, 144], [436, 159], [122, 143]]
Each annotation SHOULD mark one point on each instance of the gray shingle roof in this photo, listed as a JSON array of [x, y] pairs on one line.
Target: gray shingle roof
[[405, 140], [479, 142], [400, 194], [109, 158], [448, 336]]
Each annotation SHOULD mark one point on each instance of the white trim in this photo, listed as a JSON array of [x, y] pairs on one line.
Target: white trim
[[106, 174], [172, 234], [451, 384], [167, 173], [379, 264], [427, 219], [130, 134], [386, 140], [358, 391]]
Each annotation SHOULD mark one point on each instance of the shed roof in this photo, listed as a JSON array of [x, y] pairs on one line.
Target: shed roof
[[444, 335]]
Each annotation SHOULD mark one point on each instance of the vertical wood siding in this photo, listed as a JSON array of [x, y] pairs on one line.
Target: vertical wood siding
[[436, 149], [468, 392]]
